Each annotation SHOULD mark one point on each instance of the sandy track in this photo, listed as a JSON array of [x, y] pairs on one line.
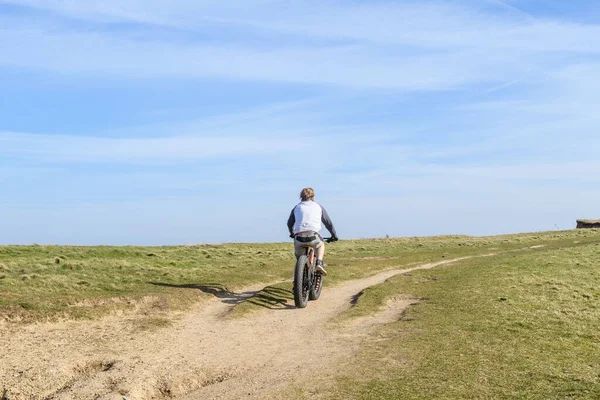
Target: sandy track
[[202, 356]]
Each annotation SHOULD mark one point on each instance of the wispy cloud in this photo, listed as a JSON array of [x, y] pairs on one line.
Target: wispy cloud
[[410, 46], [62, 148], [349, 66], [425, 23], [512, 8]]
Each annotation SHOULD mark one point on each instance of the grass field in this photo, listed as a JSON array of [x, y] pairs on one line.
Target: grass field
[[520, 323], [47, 282]]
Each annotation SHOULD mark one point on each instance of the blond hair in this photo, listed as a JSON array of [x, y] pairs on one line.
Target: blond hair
[[307, 194]]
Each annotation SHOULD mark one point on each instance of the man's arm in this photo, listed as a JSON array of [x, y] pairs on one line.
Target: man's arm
[[328, 224], [291, 221]]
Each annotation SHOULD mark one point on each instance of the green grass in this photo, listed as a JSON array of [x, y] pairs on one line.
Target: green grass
[[48, 282], [518, 325], [521, 324]]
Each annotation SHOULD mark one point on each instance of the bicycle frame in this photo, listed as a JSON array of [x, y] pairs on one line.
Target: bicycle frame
[[310, 253]]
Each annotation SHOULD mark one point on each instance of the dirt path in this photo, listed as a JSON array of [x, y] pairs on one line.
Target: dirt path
[[202, 356]]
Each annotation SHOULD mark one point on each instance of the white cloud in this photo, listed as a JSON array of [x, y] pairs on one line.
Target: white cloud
[[61, 148], [409, 46], [424, 23], [587, 171], [351, 66], [162, 12]]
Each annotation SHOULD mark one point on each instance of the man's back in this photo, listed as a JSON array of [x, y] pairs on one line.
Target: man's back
[[308, 215]]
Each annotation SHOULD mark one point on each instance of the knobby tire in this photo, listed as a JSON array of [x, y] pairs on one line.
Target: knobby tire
[[301, 289]]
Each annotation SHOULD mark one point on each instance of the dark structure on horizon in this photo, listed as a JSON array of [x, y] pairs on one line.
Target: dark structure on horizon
[[588, 223]]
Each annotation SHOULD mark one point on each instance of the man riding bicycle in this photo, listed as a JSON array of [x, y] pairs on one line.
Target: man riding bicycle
[[304, 225]]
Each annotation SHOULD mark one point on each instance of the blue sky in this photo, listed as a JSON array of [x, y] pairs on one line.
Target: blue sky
[[181, 122]]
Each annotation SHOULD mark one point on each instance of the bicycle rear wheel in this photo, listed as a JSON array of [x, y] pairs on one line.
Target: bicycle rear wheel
[[301, 289]]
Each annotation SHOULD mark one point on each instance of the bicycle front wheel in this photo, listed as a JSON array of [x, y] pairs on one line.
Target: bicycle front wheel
[[301, 289], [315, 291]]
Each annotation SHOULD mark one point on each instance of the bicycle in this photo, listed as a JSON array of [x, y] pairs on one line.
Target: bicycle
[[307, 283]]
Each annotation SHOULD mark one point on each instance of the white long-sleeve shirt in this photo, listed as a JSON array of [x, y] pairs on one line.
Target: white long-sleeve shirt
[[309, 216]]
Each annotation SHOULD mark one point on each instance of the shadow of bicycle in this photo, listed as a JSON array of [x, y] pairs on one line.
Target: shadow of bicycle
[[273, 298], [269, 297]]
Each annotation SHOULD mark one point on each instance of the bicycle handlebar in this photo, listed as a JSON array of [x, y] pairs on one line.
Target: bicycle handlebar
[[326, 239]]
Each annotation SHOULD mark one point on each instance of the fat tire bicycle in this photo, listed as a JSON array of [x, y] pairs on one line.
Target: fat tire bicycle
[[308, 284]]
